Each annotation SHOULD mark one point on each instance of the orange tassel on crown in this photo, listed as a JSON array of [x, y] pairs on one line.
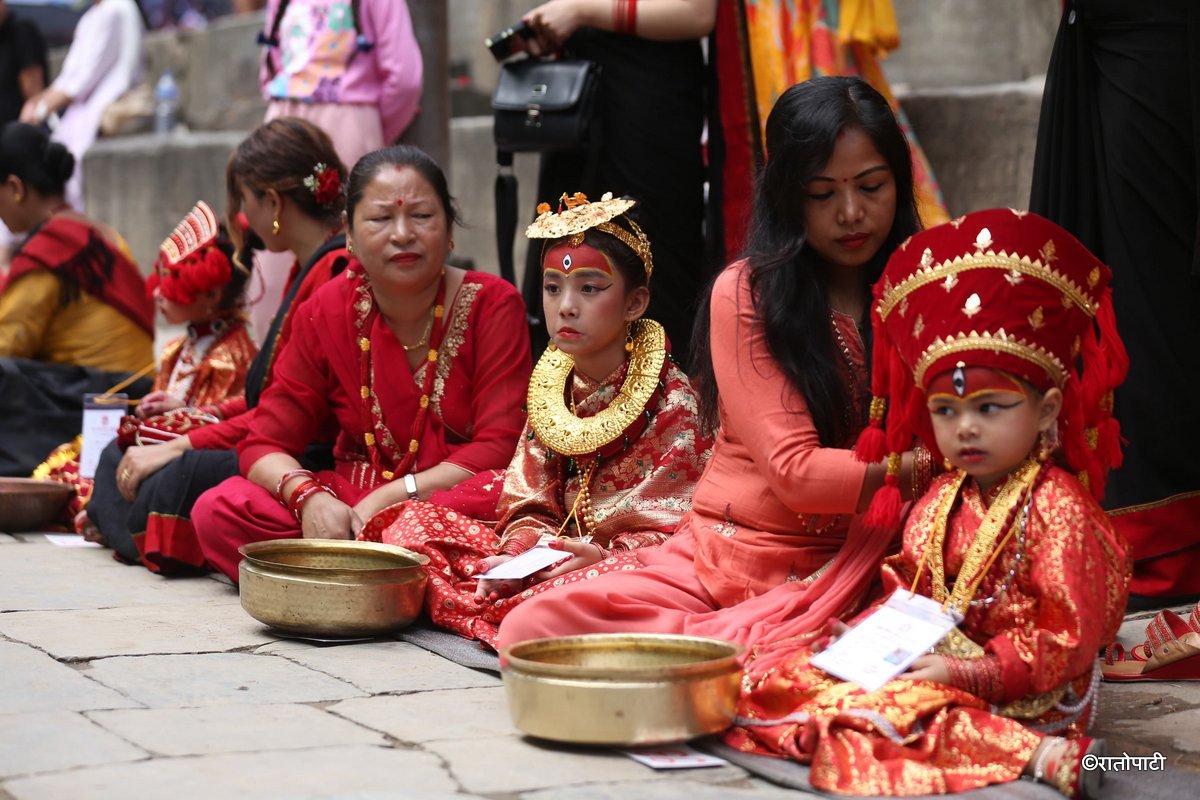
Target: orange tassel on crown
[[1004, 289]]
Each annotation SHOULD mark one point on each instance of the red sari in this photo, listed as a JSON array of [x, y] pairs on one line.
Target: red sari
[[478, 391], [638, 495], [772, 546], [1039, 641]]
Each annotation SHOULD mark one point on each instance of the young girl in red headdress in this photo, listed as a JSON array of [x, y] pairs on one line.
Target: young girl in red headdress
[[197, 283], [611, 451], [979, 326]]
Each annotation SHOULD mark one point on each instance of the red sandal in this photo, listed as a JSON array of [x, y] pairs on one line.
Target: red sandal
[[1171, 652]]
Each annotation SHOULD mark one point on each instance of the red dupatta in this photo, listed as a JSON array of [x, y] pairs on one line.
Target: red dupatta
[[84, 261]]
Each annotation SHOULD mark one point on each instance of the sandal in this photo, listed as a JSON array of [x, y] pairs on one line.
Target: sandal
[[1171, 652]]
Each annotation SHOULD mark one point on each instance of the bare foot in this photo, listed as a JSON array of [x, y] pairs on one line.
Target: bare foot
[[85, 528]]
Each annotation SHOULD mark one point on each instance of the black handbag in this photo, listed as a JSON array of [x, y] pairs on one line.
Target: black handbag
[[540, 106], [546, 105]]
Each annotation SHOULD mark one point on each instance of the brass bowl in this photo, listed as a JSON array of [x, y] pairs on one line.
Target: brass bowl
[[29, 505], [622, 689], [331, 588]]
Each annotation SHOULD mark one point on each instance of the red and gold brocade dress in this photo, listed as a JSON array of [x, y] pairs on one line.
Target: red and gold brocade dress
[[205, 367], [638, 493], [1037, 639]]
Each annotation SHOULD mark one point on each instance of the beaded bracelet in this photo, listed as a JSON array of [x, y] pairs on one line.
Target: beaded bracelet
[[287, 476]]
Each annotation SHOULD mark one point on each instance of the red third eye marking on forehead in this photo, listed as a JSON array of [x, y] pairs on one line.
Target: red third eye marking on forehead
[[399, 201]]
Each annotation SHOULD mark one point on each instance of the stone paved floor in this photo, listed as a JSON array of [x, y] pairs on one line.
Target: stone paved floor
[[115, 683]]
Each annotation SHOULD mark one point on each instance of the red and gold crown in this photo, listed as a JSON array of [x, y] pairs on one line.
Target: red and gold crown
[[189, 262], [1003, 289]]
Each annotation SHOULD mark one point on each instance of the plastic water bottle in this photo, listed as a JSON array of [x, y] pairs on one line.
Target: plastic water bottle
[[166, 104]]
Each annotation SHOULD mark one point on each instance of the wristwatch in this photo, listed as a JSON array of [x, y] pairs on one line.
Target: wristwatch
[[410, 485]]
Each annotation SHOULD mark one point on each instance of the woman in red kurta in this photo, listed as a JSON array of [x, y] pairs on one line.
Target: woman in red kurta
[[773, 545], [286, 177], [995, 341], [626, 488], [420, 368]]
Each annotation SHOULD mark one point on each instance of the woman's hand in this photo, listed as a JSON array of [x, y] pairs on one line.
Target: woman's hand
[[928, 668], [157, 403], [553, 23], [142, 461], [490, 591], [323, 516], [583, 554]]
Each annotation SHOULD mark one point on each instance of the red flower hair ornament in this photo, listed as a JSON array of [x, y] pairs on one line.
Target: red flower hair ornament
[[189, 262], [325, 185]]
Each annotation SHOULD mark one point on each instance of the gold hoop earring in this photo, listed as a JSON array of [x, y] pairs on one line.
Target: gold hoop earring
[[275, 226]]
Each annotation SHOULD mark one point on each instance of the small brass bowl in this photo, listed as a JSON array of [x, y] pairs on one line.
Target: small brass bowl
[[622, 689], [29, 505], [331, 588]]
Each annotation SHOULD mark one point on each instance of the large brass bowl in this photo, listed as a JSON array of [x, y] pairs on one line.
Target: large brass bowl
[[328, 588], [622, 689], [29, 505]]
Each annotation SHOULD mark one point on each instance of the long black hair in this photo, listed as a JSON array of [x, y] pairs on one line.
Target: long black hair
[[786, 284], [27, 152]]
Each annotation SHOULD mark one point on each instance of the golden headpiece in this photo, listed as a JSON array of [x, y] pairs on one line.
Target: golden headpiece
[[580, 216], [189, 261]]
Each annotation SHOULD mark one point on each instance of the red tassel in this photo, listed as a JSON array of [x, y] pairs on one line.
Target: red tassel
[[886, 505], [871, 446]]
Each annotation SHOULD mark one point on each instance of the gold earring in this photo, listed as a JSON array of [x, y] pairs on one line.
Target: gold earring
[[947, 465], [17, 197], [275, 226], [629, 337], [349, 246], [451, 244]]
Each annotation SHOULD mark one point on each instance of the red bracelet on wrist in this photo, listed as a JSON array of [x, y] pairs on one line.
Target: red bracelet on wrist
[[303, 493], [625, 16], [287, 476]]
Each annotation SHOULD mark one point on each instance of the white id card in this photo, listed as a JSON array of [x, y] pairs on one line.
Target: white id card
[[884, 644], [535, 559], [101, 420]]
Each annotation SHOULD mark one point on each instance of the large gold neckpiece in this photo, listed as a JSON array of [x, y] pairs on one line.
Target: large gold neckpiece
[[557, 427]]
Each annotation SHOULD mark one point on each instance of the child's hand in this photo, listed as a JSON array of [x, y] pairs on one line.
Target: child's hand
[[836, 628], [928, 668], [584, 554], [489, 591]]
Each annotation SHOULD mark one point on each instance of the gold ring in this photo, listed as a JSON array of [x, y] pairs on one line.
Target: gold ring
[[125, 474]]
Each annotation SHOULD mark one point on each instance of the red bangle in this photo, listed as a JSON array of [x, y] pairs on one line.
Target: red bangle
[[625, 16], [303, 493], [287, 476]]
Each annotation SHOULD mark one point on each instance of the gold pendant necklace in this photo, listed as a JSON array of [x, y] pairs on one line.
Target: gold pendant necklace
[[565, 433]]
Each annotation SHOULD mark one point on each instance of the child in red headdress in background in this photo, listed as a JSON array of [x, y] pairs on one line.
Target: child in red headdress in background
[[980, 325], [196, 282]]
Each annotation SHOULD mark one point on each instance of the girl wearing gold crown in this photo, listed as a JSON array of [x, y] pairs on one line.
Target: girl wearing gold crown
[[611, 451], [195, 282], [775, 543], [980, 325]]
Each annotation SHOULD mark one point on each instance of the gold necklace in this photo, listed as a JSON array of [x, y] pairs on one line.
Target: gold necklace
[[566, 434], [408, 348]]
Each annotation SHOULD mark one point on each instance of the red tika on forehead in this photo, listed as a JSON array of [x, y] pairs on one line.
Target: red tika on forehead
[[567, 259], [965, 382]]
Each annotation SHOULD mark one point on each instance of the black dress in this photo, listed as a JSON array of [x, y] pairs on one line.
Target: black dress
[[1116, 165], [652, 101]]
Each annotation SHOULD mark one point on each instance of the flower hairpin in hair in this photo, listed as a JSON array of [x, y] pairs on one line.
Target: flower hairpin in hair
[[325, 184]]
